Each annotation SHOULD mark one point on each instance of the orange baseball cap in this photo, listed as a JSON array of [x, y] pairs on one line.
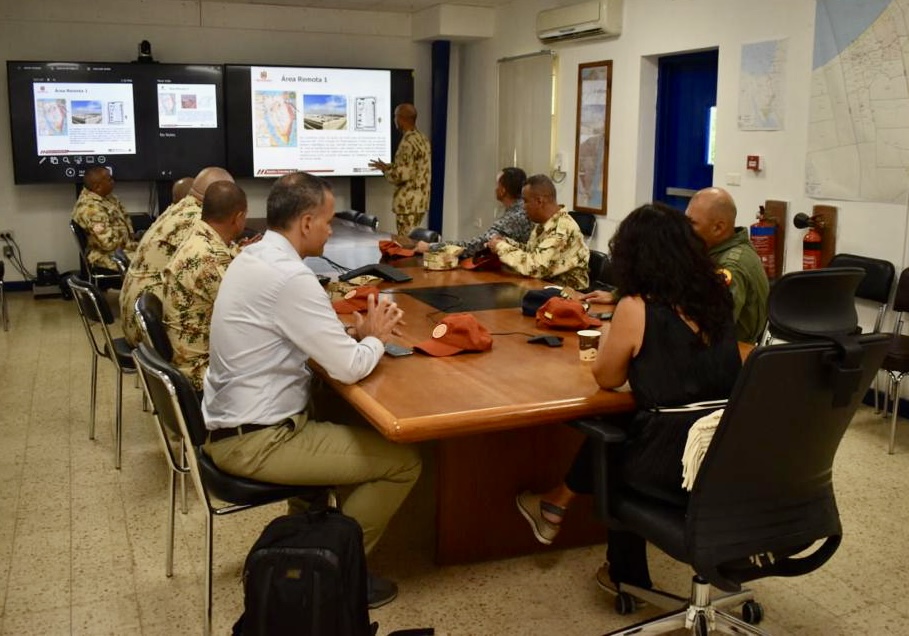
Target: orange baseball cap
[[457, 333], [355, 299], [562, 313], [394, 250]]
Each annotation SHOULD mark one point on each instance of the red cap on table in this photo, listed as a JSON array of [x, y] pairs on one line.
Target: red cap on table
[[561, 313], [355, 299], [457, 333]]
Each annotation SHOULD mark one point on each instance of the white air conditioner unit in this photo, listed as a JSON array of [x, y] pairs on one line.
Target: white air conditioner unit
[[596, 18]]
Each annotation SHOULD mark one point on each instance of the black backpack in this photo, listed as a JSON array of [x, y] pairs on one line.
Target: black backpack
[[306, 576]]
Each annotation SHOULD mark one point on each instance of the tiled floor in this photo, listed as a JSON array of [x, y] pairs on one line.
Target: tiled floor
[[82, 544]]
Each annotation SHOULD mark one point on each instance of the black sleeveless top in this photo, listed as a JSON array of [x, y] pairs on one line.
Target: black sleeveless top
[[673, 367]]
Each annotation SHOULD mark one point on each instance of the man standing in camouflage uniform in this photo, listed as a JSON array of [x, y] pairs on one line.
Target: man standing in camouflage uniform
[[409, 173], [193, 276], [556, 250], [513, 223], [712, 214], [102, 216], [158, 245]]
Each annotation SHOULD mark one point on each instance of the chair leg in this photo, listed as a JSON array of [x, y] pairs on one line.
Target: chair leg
[[877, 386], [209, 519], [94, 396], [171, 503], [728, 624], [183, 507], [895, 401], [118, 422], [4, 310]]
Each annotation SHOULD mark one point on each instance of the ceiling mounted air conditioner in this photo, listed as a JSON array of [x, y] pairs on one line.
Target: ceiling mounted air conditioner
[[595, 18]]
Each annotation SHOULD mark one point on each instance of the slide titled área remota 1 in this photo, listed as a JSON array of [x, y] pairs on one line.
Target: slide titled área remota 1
[[84, 118], [321, 120]]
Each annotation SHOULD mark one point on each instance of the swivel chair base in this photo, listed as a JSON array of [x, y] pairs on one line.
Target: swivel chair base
[[700, 614]]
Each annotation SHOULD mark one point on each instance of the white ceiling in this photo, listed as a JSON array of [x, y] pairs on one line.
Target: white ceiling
[[406, 6]]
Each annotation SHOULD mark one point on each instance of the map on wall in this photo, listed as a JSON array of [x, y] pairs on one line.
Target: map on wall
[[761, 85], [858, 133]]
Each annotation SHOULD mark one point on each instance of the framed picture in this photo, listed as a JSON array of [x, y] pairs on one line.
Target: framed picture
[[591, 153]]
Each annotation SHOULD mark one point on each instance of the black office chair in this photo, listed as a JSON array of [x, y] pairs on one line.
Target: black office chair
[[150, 317], [177, 412], [4, 309], [425, 234], [600, 271], [101, 277], [813, 302], [896, 363], [347, 215], [874, 288], [587, 221], [121, 260], [367, 220], [764, 493], [96, 315]]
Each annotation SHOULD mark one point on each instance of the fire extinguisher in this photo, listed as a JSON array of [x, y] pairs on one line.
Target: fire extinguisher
[[811, 243], [763, 238]]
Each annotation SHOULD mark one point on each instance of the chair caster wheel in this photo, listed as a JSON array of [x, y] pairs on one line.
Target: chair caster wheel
[[700, 625], [624, 603], [752, 612]]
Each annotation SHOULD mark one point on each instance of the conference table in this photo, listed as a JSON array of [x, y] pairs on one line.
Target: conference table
[[496, 419]]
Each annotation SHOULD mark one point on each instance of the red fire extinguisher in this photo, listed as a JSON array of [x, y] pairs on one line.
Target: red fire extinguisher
[[763, 238], [811, 244]]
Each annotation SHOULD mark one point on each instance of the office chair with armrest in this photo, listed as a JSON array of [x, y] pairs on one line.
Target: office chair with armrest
[[896, 363], [347, 215], [874, 288], [4, 309], [586, 221], [368, 220], [813, 302], [425, 234], [96, 315], [764, 493], [99, 276], [177, 412]]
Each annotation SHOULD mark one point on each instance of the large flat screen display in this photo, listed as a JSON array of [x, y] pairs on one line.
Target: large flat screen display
[[142, 121], [326, 121]]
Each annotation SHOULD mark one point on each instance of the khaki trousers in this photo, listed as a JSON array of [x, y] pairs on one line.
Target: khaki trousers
[[310, 453], [407, 222]]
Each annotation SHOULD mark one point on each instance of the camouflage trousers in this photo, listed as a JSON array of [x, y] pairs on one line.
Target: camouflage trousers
[[407, 222]]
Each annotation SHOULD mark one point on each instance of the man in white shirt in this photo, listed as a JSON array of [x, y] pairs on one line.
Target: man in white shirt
[[270, 317]]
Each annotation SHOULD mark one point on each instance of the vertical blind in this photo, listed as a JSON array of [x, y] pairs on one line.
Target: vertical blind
[[525, 97]]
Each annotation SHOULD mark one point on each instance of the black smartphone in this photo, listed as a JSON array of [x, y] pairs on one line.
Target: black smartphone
[[552, 341]]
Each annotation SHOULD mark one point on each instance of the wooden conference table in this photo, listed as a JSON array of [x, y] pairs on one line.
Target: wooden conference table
[[496, 416]]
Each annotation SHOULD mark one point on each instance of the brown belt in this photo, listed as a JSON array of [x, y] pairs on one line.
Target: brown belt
[[244, 429]]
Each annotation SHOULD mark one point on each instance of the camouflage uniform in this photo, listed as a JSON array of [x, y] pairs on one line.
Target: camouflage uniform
[[513, 224], [106, 225], [556, 252], [158, 245], [747, 283], [410, 175], [191, 282]]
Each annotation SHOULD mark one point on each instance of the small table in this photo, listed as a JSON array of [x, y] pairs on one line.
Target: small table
[[487, 412]]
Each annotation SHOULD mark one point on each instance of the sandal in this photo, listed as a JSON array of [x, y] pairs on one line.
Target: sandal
[[532, 506]]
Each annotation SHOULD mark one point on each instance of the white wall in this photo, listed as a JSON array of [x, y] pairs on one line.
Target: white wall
[[658, 27], [184, 31]]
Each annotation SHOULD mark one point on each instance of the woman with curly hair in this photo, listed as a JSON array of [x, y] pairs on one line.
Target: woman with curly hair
[[672, 338]]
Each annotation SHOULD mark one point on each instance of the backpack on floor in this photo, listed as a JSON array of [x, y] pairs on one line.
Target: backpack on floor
[[306, 576]]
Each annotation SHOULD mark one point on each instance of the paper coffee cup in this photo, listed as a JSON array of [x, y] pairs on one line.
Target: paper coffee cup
[[588, 343]]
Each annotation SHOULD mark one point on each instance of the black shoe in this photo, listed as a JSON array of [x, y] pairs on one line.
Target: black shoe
[[380, 591]]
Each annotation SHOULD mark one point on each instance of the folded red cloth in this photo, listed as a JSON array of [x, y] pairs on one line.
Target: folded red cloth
[[393, 250]]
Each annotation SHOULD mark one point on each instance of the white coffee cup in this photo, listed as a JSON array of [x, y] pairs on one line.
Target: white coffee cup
[[588, 344]]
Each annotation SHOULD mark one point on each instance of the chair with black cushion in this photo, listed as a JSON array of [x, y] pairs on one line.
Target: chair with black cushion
[[150, 317], [763, 501], [347, 215], [367, 220], [96, 317], [587, 222], [599, 269], [121, 260], [875, 288], [425, 234], [101, 277], [4, 309], [177, 412], [896, 363], [813, 302]]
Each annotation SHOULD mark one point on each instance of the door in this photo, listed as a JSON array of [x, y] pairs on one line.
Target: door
[[686, 110]]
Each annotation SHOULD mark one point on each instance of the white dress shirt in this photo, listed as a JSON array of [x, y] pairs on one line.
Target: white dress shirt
[[270, 317]]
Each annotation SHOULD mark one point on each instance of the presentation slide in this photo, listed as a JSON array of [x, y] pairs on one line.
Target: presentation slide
[[327, 121], [187, 106], [84, 119]]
